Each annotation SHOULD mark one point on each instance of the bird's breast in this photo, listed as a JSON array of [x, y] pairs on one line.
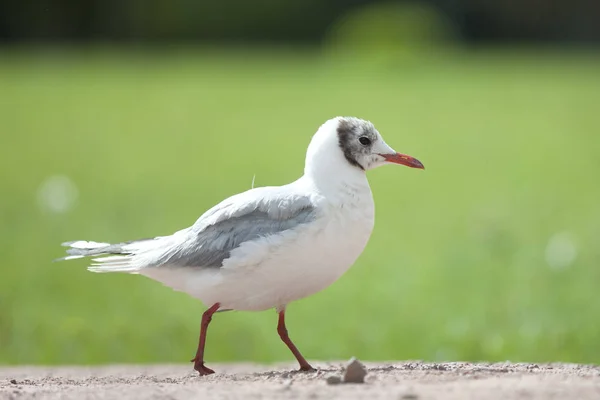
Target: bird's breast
[[327, 249], [349, 224]]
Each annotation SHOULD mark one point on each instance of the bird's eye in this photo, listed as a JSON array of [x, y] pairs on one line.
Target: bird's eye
[[365, 141]]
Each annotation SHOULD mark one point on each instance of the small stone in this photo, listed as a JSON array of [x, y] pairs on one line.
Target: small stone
[[355, 372], [333, 379], [13, 381]]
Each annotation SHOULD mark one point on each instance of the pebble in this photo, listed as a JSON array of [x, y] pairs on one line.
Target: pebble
[[333, 379], [355, 372]]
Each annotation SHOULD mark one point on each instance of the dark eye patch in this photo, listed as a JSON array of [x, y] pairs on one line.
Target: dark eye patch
[[350, 131]]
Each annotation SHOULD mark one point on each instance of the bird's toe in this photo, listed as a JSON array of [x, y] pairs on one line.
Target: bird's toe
[[202, 369]]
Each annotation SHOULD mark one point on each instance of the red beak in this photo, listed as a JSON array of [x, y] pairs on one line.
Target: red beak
[[403, 159]]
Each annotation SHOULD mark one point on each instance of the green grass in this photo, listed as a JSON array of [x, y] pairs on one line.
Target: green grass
[[456, 267]]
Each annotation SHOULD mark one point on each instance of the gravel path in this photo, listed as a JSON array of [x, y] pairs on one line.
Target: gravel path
[[397, 380]]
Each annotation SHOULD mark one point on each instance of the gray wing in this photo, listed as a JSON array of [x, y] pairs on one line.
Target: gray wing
[[245, 217]]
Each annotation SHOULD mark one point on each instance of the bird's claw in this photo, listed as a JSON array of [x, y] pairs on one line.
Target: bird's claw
[[201, 368]]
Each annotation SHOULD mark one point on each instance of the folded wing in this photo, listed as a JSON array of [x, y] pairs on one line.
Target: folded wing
[[248, 216]]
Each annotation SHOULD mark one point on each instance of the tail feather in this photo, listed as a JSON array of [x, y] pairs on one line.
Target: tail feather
[[108, 257], [84, 244]]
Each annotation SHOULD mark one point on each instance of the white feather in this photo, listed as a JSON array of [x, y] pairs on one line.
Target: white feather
[[87, 245]]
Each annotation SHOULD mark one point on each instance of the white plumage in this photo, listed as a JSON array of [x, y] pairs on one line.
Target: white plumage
[[269, 246]]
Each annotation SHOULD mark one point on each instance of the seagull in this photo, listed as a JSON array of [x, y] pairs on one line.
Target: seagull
[[267, 246]]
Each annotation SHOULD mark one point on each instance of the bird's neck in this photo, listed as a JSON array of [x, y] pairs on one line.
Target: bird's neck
[[335, 178]]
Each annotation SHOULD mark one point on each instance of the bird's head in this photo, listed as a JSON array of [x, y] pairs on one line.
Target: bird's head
[[355, 142]]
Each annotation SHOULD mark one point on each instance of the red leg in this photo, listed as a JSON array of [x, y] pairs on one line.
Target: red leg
[[199, 359], [283, 334]]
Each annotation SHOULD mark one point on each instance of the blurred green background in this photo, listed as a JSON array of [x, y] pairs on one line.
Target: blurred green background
[[491, 253]]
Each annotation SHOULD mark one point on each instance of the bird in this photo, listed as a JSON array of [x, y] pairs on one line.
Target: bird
[[268, 246]]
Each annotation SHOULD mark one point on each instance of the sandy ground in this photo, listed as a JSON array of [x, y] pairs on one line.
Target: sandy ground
[[398, 381]]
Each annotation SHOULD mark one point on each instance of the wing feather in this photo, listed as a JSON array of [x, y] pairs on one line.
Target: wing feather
[[245, 217]]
